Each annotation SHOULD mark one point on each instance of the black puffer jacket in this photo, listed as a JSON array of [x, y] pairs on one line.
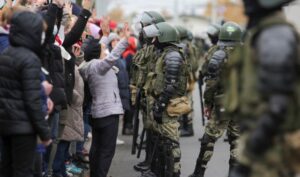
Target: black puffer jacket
[[20, 84], [70, 39], [52, 59]]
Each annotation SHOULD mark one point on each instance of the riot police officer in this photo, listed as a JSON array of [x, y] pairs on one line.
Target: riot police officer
[[167, 86], [142, 59], [267, 86], [229, 39], [193, 59]]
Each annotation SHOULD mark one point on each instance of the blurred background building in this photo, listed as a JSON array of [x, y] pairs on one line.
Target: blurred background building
[[194, 14]]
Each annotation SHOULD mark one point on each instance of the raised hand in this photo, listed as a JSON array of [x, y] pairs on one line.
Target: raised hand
[[126, 31], [87, 4], [68, 7], [105, 26]]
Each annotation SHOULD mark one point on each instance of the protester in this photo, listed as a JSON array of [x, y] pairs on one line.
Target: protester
[[73, 129], [20, 88], [106, 105], [123, 83]]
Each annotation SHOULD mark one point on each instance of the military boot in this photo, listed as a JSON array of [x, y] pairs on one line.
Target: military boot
[[187, 131], [148, 173], [199, 169], [198, 173], [142, 166]]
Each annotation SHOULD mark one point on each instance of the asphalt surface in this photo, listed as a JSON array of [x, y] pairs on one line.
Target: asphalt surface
[[123, 162]]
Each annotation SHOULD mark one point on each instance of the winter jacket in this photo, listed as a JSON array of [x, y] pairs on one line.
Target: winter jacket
[[70, 39], [4, 43], [123, 83], [73, 130], [20, 84], [103, 82], [53, 62]]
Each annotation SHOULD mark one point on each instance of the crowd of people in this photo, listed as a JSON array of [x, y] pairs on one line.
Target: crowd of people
[[66, 76]]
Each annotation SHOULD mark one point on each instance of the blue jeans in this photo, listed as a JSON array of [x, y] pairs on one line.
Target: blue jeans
[[53, 122], [62, 153]]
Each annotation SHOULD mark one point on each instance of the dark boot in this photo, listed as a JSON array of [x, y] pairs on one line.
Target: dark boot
[[127, 130], [201, 164], [198, 173], [148, 173], [142, 166], [188, 131]]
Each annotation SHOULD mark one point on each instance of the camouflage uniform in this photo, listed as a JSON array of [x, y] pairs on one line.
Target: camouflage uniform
[[193, 57], [166, 82], [213, 71], [264, 91], [142, 61]]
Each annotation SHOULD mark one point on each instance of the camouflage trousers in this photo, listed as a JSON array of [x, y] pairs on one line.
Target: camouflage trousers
[[213, 131], [282, 159], [169, 139]]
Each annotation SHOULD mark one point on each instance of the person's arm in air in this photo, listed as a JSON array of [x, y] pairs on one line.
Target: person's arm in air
[[104, 65], [75, 34]]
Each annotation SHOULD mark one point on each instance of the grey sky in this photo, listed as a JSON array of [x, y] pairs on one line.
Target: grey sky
[[184, 6]]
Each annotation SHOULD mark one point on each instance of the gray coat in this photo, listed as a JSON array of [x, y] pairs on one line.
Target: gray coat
[[103, 82]]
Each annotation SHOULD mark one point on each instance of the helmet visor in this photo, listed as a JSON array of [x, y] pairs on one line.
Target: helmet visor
[[146, 19], [151, 31], [213, 31]]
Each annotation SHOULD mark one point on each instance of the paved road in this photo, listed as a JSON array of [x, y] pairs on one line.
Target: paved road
[[122, 165]]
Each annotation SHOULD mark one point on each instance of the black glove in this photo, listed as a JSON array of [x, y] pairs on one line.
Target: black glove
[[158, 109]]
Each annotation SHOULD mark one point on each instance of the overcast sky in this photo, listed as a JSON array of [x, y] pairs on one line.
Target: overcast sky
[[184, 6]]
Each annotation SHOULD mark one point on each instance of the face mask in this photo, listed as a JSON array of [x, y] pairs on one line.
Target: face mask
[[43, 38], [55, 30]]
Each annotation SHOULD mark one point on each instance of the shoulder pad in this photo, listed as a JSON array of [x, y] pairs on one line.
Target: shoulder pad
[[276, 44], [173, 54], [219, 55]]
